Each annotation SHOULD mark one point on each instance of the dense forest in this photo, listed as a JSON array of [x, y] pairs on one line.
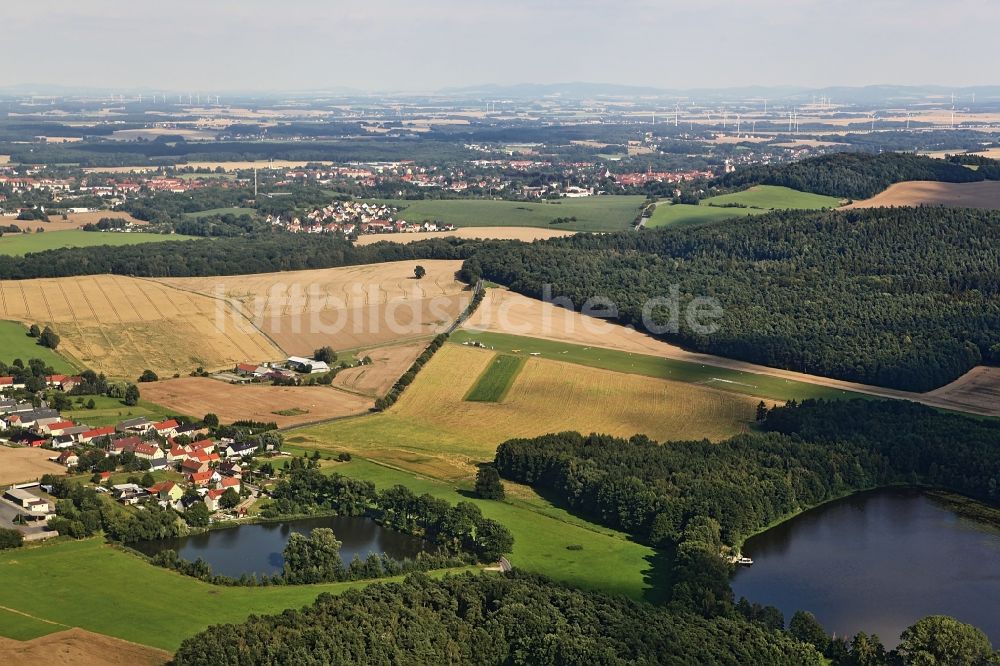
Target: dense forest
[[907, 298], [851, 175], [263, 253], [699, 499], [488, 619]]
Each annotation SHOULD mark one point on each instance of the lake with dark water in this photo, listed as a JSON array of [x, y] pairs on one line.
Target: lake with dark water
[[878, 562], [257, 548]]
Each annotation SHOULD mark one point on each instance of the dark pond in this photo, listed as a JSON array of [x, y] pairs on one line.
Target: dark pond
[[877, 562], [257, 548]]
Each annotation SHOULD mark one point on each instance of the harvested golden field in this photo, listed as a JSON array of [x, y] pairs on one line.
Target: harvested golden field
[[197, 396], [388, 364], [433, 430], [4, 159], [79, 648], [979, 387], [985, 194], [478, 233], [120, 325], [18, 465], [346, 308]]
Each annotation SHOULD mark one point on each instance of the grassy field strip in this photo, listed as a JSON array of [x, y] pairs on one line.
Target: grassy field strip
[[15, 343], [89, 584], [734, 381], [23, 627], [21, 244], [497, 379]]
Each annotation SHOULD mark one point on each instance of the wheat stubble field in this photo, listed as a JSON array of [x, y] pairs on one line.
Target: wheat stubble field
[[120, 325], [434, 430], [985, 194], [346, 308]]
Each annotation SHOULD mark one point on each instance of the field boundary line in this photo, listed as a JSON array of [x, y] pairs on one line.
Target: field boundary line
[[35, 617]]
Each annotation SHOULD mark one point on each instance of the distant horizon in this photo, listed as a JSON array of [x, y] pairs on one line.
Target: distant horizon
[[392, 45], [610, 89]]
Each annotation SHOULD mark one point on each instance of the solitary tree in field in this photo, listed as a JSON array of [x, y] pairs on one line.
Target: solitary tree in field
[[419, 272], [211, 420], [48, 338], [131, 397], [34, 331], [148, 376], [488, 483]]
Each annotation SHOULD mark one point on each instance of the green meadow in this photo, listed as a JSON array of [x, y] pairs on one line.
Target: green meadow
[[15, 343], [100, 588], [753, 201], [774, 198], [608, 561], [21, 244], [110, 411], [596, 214]]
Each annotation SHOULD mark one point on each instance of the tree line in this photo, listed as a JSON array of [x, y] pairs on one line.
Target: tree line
[[264, 253], [907, 298], [453, 529], [853, 175], [488, 619]]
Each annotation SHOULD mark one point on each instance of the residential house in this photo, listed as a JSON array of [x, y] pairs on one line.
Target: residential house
[[204, 479], [194, 466], [240, 450], [57, 428], [231, 468], [166, 428], [166, 491], [62, 382], [212, 498], [10, 384], [34, 417], [177, 453], [68, 458], [190, 429], [228, 482], [140, 424], [89, 436]]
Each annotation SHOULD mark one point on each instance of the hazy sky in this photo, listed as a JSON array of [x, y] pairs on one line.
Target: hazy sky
[[220, 45]]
